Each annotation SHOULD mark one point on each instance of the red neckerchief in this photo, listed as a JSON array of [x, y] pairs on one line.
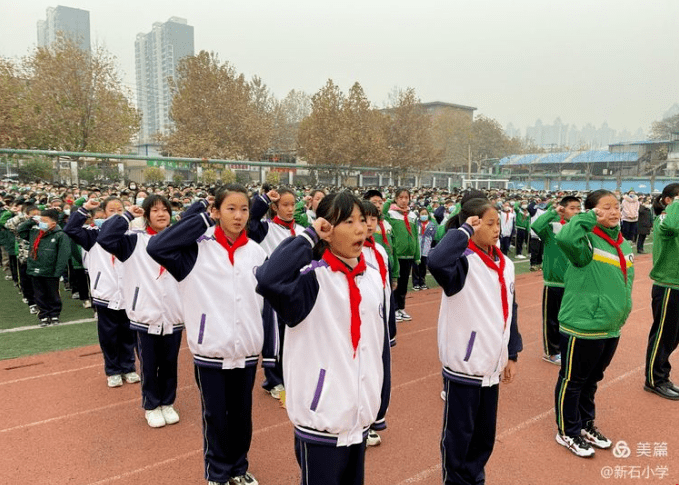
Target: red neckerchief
[[384, 233], [290, 225], [370, 243], [616, 244], [500, 270], [153, 232], [405, 212], [423, 226], [221, 238], [36, 243], [562, 221], [354, 293]]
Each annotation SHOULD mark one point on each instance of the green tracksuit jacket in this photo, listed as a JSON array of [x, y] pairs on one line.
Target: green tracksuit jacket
[[597, 298], [53, 253], [665, 270], [555, 262], [406, 244]]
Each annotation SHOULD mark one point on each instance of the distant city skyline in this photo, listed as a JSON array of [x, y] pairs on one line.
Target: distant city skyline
[[612, 60]]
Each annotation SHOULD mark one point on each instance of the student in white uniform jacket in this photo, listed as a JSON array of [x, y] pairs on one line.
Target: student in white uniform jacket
[[336, 352], [154, 307], [215, 267]]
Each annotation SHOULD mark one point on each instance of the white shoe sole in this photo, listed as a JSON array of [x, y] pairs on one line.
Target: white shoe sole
[[575, 451]]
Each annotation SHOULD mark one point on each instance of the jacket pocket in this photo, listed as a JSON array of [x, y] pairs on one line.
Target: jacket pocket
[[96, 281], [201, 330], [470, 346], [319, 390], [134, 300]]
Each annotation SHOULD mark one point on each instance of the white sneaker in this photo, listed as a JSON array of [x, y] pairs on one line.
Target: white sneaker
[[87, 304], [33, 310], [114, 381], [399, 318], [520, 256], [405, 316], [373, 438], [276, 391], [578, 445], [75, 296], [246, 479], [155, 418], [169, 414], [131, 377]]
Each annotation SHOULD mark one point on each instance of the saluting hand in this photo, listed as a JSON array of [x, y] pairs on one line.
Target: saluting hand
[[90, 204], [323, 228], [473, 221], [273, 195], [136, 211]]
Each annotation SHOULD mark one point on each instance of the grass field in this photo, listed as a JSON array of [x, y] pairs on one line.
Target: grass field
[[19, 335]]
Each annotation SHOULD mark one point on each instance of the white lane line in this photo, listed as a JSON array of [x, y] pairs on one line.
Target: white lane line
[[38, 327], [426, 473]]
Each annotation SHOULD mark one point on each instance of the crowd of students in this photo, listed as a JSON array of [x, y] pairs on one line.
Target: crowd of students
[[313, 284]]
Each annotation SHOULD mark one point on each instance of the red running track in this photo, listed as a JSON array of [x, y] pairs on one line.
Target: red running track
[[60, 424]]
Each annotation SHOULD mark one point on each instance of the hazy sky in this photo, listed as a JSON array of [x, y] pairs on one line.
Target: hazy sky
[[515, 60]]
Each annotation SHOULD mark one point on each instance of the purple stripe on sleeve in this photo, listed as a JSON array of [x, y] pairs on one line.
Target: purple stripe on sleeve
[[470, 346], [202, 329], [319, 388], [314, 265]]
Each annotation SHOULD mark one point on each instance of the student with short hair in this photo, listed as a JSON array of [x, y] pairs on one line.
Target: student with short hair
[[337, 353], [554, 266], [154, 306], [478, 337], [47, 261], [596, 302]]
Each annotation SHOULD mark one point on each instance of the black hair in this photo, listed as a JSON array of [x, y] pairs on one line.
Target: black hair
[[474, 207], [151, 201], [225, 190], [671, 191], [470, 194], [400, 190], [568, 199], [29, 207], [107, 201], [372, 193], [370, 209], [51, 213], [335, 208], [593, 198]]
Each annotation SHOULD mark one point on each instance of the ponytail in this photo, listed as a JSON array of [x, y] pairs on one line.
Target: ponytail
[[671, 191]]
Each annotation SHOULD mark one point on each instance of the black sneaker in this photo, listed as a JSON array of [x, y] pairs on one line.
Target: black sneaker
[[594, 437], [424, 287], [44, 322], [54, 321], [577, 445]]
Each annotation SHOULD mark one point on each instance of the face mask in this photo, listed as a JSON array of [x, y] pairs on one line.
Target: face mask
[[174, 213], [139, 201], [43, 226], [524, 206], [424, 218], [67, 212], [36, 219], [99, 222], [450, 209], [506, 209]]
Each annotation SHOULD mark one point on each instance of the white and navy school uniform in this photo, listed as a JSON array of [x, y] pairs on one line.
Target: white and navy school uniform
[[116, 340], [154, 308], [224, 328], [477, 334], [337, 380], [507, 222], [270, 234]]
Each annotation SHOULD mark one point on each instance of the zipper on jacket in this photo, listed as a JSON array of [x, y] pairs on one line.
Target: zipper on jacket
[[96, 281], [201, 331], [319, 389], [470, 346], [134, 300]]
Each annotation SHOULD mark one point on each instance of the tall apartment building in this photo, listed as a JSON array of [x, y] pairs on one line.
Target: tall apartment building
[[74, 23], [156, 56]]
